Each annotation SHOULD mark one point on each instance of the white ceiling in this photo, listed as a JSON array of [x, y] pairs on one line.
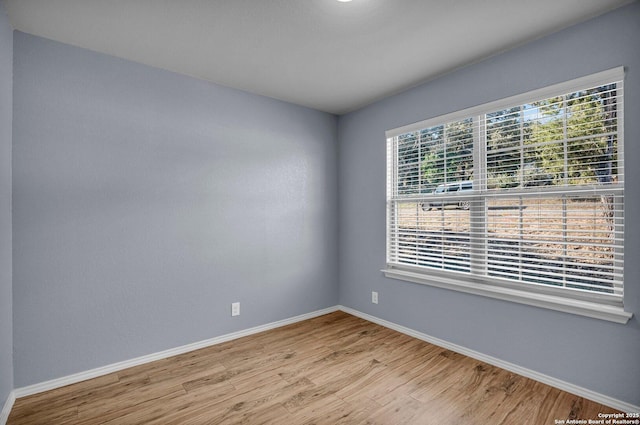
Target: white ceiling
[[324, 54]]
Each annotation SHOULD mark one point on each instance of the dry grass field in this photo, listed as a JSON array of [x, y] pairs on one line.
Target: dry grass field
[[575, 236]]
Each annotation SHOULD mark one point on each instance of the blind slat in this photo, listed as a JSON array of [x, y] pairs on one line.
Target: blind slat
[[542, 204]]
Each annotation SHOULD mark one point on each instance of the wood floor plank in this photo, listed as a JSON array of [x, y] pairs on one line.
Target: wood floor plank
[[403, 410], [332, 369], [137, 412], [118, 402]]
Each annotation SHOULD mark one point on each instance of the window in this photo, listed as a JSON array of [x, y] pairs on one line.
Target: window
[[520, 199]]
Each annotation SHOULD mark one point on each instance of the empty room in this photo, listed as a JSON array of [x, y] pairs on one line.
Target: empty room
[[319, 212]]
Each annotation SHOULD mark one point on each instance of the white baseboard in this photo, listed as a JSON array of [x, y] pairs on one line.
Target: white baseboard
[[4, 414], [545, 379], [115, 367], [94, 373]]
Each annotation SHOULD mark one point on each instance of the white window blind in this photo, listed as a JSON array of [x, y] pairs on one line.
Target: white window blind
[[525, 193]]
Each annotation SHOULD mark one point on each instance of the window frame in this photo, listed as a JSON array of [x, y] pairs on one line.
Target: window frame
[[589, 304]]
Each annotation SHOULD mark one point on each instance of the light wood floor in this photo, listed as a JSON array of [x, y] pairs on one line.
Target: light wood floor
[[334, 369]]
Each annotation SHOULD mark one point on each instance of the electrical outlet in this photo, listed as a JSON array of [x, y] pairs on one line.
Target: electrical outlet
[[235, 309], [374, 297]]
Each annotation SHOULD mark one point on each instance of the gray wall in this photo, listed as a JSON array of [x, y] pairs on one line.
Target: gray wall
[[594, 354], [6, 339], [145, 202]]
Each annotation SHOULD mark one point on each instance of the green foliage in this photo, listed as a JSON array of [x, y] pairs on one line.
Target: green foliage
[[580, 119], [450, 154], [504, 159], [556, 141]]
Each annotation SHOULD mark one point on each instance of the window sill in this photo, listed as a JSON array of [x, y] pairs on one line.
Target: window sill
[[551, 302]]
